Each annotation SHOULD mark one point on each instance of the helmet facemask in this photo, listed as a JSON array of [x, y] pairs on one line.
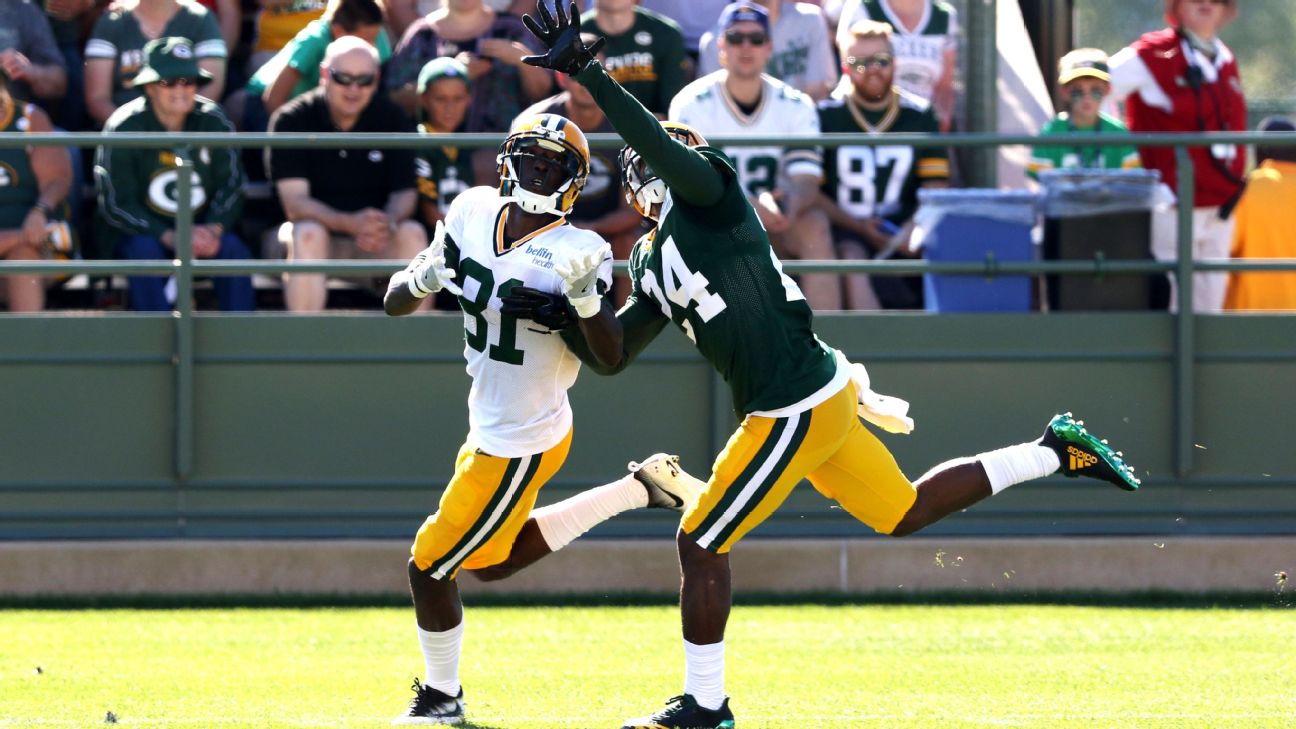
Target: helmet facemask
[[524, 158], [645, 190]]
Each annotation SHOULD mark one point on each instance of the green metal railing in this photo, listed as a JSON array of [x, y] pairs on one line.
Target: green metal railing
[[184, 268]]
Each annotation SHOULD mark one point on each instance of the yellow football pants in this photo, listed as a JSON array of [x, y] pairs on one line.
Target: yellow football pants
[[767, 457], [483, 509]]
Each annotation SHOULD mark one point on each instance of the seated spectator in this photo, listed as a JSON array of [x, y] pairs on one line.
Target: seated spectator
[[277, 23], [1264, 219], [115, 52], [490, 45], [871, 193], [137, 187], [296, 69], [644, 51], [443, 172], [66, 18], [601, 206], [924, 34], [1184, 79], [36, 69], [802, 57], [34, 184], [343, 203], [1084, 80], [694, 17], [782, 182]]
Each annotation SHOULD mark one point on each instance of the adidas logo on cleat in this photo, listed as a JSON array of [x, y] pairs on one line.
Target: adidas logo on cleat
[[1079, 459]]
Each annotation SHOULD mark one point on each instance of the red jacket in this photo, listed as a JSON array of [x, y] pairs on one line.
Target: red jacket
[[1217, 106]]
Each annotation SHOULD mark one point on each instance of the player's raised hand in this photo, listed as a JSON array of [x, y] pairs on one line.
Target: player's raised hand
[[579, 275], [427, 273], [559, 33]]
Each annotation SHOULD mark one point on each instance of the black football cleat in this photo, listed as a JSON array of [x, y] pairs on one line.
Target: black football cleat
[[431, 707], [683, 712]]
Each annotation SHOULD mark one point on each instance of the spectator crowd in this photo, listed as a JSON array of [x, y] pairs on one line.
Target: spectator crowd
[[768, 68]]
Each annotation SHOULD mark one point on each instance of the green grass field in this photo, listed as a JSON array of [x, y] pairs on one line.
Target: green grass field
[[797, 666]]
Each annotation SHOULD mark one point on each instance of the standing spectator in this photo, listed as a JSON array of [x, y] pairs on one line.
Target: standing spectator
[[1184, 79], [66, 18], [925, 37], [781, 182], [601, 206], [1264, 220], [644, 51], [871, 193], [343, 203], [695, 17], [36, 69], [491, 45], [1084, 80], [137, 187], [277, 23], [115, 52], [802, 58], [34, 183], [295, 69]]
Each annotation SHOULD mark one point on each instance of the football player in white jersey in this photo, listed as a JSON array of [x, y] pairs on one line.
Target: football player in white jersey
[[514, 245], [782, 182]]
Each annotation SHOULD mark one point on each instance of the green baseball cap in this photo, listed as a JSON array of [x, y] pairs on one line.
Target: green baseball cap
[[169, 58], [439, 68]]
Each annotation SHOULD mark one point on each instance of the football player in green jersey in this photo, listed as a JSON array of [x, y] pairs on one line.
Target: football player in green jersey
[[709, 268]]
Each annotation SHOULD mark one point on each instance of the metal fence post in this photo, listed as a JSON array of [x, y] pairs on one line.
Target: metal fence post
[[183, 316], [982, 83], [1185, 346]]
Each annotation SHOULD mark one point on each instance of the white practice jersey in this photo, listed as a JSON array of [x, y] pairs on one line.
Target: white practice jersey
[[920, 53], [518, 402], [783, 111]]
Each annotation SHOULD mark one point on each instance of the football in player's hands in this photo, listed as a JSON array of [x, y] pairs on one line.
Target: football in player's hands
[[560, 33], [549, 310]]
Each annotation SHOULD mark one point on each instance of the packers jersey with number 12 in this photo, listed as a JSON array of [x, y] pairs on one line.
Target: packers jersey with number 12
[[517, 405]]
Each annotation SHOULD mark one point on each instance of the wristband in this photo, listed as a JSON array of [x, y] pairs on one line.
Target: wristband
[[41, 206]]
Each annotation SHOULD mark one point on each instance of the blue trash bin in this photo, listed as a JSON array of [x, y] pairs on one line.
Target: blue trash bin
[[971, 225]]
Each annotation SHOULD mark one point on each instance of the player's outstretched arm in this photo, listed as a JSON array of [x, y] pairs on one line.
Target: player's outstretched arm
[[640, 324], [425, 275], [687, 173], [584, 291]]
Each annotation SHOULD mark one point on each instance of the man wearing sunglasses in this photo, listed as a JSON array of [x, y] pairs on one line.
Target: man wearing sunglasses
[[781, 182], [137, 187], [802, 54], [1084, 81], [343, 203]]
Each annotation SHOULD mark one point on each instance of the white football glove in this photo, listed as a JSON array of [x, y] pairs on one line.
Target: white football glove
[[886, 412], [427, 273], [579, 275]]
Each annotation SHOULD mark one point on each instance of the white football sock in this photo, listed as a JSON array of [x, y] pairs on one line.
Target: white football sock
[[562, 522], [441, 658], [704, 673], [1018, 463]]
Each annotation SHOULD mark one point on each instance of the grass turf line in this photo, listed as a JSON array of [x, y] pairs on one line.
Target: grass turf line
[[526, 668]]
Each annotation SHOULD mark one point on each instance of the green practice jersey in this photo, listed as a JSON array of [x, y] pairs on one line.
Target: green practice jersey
[[443, 173], [709, 268], [1062, 156], [117, 36], [138, 187], [18, 188], [883, 181], [648, 60]]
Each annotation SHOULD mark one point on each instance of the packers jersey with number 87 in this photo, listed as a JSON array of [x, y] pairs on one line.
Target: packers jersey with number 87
[[517, 405]]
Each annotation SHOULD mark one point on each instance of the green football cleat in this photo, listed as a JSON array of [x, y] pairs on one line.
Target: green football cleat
[[683, 712], [1083, 454]]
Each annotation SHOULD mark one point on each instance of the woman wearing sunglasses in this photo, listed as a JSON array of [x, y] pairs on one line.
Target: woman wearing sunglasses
[[1084, 82]]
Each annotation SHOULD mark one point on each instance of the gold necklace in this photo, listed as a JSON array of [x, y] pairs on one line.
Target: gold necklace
[[889, 118]]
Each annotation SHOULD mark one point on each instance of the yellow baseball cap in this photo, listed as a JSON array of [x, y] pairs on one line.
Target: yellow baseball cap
[[1082, 62]]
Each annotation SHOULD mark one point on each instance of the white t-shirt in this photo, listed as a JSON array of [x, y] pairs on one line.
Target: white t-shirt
[[707, 106], [517, 405], [802, 48]]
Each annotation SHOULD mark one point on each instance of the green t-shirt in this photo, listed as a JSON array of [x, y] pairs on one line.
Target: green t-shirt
[[883, 181], [303, 54], [117, 37], [18, 188], [1062, 157], [137, 187], [648, 59], [443, 173]]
